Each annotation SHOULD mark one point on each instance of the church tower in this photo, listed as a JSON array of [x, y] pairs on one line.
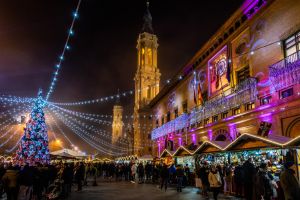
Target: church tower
[[117, 124], [146, 79]]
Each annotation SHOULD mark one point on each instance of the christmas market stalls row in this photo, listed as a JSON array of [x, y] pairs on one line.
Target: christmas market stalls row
[[272, 150]]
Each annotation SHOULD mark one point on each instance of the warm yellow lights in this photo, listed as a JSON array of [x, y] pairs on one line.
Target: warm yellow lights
[[226, 148], [58, 141]]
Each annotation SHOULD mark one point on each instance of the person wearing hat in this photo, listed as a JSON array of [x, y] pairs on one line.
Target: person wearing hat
[[289, 182]]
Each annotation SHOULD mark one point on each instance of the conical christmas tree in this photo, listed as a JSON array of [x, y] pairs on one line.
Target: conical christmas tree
[[34, 144]]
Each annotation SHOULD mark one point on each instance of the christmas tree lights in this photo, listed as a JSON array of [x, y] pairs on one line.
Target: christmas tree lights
[[34, 143]]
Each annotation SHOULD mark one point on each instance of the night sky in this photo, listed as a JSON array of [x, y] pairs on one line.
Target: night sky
[[103, 49]]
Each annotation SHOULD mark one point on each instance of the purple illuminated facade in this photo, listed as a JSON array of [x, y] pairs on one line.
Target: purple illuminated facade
[[250, 81]]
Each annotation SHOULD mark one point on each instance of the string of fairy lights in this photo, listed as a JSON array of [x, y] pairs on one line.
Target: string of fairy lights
[[80, 123], [62, 55]]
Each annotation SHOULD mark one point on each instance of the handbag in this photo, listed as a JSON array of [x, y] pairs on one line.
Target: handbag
[[198, 182]]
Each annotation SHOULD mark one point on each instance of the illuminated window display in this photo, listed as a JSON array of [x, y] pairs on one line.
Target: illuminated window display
[[218, 66]]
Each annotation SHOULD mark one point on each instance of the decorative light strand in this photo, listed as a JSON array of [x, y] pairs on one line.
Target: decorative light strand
[[61, 57], [96, 139], [60, 130], [15, 146], [91, 143]]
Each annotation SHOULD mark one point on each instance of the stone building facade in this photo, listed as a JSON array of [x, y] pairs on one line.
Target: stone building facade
[[244, 79]]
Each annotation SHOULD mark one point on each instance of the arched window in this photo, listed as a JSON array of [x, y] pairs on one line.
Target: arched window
[[221, 137], [148, 92], [143, 56], [149, 56]]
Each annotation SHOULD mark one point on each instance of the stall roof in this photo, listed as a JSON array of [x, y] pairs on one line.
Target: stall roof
[[293, 142], [211, 147], [250, 141], [166, 152], [182, 151], [245, 141], [67, 153]]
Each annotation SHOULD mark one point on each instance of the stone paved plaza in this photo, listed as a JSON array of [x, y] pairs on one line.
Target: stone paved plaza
[[131, 191]]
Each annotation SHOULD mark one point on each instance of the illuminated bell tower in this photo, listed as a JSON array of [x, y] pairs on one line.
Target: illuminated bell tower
[[117, 125], [147, 77]]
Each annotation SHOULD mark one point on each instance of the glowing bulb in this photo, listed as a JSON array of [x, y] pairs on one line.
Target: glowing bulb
[[75, 14]]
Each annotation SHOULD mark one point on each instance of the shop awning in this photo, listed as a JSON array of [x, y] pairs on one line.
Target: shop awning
[[166, 153], [182, 151], [250, 141], [67, 153]]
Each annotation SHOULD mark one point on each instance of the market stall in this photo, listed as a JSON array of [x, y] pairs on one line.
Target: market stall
[[269, 150], [166, 157], [211, 152], [183, 156]]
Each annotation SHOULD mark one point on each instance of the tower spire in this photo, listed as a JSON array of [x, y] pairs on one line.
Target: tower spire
[[147, 25]]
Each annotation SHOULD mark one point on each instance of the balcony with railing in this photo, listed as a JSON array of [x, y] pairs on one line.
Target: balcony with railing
[[170, 127], [286, 72], [243, 93]]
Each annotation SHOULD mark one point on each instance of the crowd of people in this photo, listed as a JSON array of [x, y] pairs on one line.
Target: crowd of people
[[55, 181], [252, 182]]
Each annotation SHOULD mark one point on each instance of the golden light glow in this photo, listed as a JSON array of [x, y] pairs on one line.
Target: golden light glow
[[281, 145]]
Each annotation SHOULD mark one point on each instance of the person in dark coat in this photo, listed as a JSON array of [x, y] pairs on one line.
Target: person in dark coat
[[164, 175], [179, 176], [203, 175], [239, 180], [141, 171], [289, 183], [11, 183], [67, 177], [262, 184], [79, 175], [249, 172]]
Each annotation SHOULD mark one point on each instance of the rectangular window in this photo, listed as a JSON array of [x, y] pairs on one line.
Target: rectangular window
[[224, 115], [249, 106], [265, 100], [215, 118], [157, 123], [162, 120], [286, 93], [292, 45], [184, 106], [243, 74], [206, 121], [149, 92], [168, 116], [236, 111], [176, 112]]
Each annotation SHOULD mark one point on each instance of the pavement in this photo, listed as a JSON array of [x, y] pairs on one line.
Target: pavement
[[134, 191]]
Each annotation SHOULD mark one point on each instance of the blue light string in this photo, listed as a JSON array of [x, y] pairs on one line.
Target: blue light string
[[6, 141], [100, 132], [7, 132], [60, 129], [80, 115], [15, 146], [61, 57], [91, 143], [74, 126]]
